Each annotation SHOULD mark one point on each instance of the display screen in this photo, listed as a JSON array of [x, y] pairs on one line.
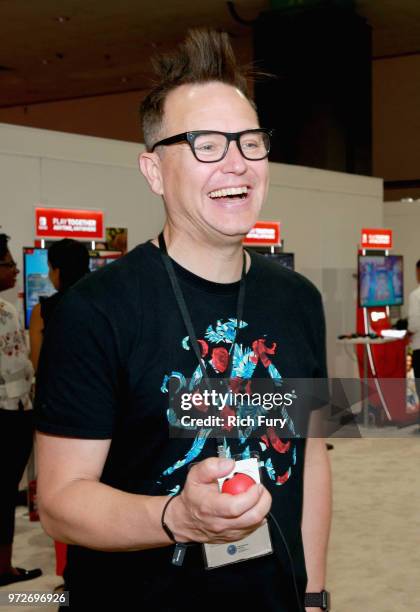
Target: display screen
[[287, 260], [380, 280], [36, 283], [97, 261]]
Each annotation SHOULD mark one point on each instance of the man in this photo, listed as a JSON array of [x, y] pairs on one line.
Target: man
[[414, 327], [16, 423], [106, 461]]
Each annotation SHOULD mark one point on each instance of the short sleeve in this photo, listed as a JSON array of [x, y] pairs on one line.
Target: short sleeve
[[316, 334], [313, 321], [78, 374], [322, 395], [16, 370]]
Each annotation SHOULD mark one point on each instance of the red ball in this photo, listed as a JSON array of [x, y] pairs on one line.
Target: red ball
[[238, 483]]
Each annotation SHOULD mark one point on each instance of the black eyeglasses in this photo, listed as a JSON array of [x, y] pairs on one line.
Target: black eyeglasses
[[209, 146], [8, 264]]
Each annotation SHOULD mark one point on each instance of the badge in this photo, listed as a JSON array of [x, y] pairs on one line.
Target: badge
[[255, 545]]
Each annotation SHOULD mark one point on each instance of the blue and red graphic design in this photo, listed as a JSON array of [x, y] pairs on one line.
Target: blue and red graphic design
[[218, 348]]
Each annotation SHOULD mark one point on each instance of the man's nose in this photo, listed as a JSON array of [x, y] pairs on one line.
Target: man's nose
[[234, 160]]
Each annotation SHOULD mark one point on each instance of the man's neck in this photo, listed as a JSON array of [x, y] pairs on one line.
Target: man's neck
[[220, 263]]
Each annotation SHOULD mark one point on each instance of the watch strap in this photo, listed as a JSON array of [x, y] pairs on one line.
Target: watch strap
[[165, 527]]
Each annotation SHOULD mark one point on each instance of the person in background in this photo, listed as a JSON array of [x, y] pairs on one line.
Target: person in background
[[412, 397], [16, 422], [414, 327], [68, 262]]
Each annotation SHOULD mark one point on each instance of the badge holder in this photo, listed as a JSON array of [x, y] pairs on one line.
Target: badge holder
[[258, 544]]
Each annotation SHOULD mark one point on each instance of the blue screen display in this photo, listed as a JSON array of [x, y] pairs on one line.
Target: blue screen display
[[36, 281], [380, 280]]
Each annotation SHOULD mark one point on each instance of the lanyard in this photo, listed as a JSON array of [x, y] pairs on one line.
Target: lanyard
[[179, 296]]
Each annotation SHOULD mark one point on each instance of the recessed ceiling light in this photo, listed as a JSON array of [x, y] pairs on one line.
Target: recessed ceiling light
[[62, 19]]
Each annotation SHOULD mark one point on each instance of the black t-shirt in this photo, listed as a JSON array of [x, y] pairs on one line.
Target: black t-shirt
[[48, 306], [112, 345]]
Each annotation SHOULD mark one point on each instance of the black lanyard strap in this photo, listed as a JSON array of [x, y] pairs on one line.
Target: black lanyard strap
[[179, 296]]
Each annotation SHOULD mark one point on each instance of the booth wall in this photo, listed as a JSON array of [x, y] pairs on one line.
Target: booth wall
[[321, 212], [404, 219]]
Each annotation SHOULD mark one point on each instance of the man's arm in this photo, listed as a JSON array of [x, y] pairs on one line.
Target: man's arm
[[316, 520], [76, 508]]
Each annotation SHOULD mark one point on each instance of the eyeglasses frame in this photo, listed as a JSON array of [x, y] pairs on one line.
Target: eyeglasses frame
[[191, 136], [8, 264]]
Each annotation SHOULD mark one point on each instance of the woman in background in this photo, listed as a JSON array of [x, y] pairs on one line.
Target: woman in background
[[68, 262], [16, 422]]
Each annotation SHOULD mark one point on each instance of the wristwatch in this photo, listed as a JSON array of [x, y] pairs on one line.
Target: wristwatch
[[318, 600]]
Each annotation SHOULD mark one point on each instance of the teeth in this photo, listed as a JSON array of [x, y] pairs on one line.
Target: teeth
[[221, 193]]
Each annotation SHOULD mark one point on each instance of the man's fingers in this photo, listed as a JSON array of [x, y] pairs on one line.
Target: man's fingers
[[221, 514], [228, 506], [232, 536], [256, 514], [209, 470]]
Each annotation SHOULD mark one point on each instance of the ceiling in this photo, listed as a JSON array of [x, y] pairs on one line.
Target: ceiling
[[53, 50]]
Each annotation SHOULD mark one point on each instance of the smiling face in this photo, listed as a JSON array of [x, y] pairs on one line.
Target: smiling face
[[219, 200], [8, 273]]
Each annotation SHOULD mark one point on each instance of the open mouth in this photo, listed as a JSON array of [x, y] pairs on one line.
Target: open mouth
[[229, 194]]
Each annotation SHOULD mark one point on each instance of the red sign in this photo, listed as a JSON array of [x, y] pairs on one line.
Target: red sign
[[376, 239], [69, 223], [264, 233]]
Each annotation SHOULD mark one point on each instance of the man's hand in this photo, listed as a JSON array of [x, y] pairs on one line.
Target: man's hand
[[202, 514]]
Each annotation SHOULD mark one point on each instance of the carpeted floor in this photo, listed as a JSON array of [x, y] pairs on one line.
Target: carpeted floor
[[374, 559]]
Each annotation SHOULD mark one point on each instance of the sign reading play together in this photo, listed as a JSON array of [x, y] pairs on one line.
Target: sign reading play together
[[69, 223], [264, 233], [376, 239]]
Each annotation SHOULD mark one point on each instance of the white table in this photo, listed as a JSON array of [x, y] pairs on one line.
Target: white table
[[365, 342]]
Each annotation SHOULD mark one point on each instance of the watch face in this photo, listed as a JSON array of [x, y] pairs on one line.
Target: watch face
[[325, 600]]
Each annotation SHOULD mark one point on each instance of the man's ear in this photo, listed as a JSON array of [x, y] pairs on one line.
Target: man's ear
[[149, 164]]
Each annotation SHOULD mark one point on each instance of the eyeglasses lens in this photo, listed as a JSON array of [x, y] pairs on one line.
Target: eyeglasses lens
[[212, 147], [255, 145]]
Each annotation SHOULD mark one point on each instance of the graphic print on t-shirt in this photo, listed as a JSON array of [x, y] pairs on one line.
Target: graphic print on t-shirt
[[218, 348]]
